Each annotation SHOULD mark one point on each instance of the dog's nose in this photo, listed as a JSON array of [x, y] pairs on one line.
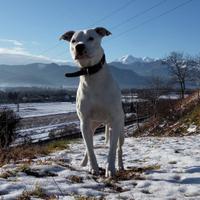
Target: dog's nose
[[80, 48]]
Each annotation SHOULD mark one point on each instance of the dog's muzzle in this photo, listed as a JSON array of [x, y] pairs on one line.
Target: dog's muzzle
[[80, 48]]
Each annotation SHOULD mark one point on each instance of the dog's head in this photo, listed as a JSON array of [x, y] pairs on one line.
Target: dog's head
[[85, 45]]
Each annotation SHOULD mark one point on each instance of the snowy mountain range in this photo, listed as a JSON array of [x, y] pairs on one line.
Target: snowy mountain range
[[129, 71], [53, 75], [129, 59]]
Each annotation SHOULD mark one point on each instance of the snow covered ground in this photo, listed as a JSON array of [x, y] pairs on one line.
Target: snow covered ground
[[42, 133], [42, 109], [156, 168]]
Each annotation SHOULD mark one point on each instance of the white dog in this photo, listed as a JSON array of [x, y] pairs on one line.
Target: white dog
[[98, 96]]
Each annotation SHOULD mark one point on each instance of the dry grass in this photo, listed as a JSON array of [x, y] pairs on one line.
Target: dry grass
[[192, 117], [88, 198], [33, 172], [26, 169], [180, 116], [30, 152], [37, 192], [135, 173], [75, 179], [111, 183], [7, 174]]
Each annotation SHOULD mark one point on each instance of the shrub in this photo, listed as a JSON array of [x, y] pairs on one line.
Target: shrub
[[8, 124]]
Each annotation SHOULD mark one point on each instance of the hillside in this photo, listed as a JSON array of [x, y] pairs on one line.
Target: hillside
[[54, 172], [151, 68], [36, 74], [181, 119], [129, 72], [52, 75]]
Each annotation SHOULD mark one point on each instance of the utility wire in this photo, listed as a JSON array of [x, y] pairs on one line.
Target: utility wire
[[113, 12], [98, 21], [127, 20], [149, 20], [138, 14], [154, 18]]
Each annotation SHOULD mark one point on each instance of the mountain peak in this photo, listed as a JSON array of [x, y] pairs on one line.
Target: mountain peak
[[148, 59], [129, 59]]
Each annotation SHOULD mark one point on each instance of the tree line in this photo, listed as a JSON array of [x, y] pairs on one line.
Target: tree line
[[28, 95]]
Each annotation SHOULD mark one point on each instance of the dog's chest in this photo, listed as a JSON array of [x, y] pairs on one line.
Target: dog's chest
[[93, 107], [91, 97], [94, 96]]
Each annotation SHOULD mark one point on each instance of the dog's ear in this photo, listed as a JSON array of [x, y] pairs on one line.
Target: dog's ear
[[67, 36], [102, 31]]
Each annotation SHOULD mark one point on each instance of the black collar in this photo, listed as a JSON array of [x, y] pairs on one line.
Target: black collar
[[88, 70]]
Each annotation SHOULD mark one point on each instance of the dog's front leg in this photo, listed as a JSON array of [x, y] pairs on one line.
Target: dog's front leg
[[85, 159], [116, 130], [88, 139], [94, 125]]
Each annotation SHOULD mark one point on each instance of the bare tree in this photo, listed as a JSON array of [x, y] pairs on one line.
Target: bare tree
[[14, 97], [179, 69], [156, 88], [8, 123], [195, 73]]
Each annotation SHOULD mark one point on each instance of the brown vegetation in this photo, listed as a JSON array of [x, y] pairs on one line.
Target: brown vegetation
[[29, 152], [8, 123], [37, 192], [174, 118]]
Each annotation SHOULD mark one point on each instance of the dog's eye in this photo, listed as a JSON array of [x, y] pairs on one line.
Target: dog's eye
[[73, 41], [90, 39]]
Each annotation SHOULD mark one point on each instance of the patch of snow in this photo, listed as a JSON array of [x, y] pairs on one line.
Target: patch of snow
[[41, 109], [184, 66], [176, 174], [129, 59], [148, 59], [192, 128], [42, 133], [171, 96]]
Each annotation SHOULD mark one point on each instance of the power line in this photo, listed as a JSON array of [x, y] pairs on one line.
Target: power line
[[127, 20], [138, 14], [98, 21], [113, 12], [145, 22], [154, 18]]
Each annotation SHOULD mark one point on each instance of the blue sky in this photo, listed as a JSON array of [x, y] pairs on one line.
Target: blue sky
[[31, 28]]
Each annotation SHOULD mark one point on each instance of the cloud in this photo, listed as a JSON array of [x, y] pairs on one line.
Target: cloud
[[14, 42], [17, 54], [20, 56], [13, 50]]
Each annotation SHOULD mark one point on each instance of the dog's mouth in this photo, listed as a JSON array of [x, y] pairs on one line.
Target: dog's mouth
[[81, 56]]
